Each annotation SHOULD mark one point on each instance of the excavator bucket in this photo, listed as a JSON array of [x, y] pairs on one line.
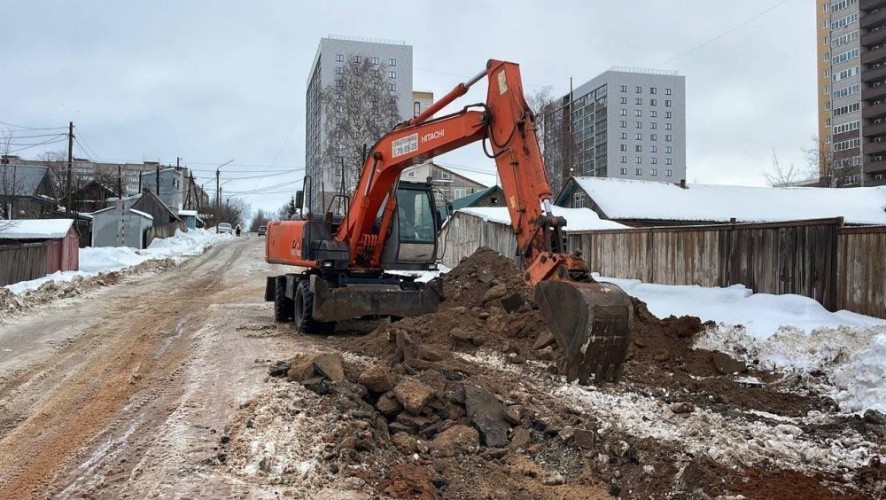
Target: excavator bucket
[[591, 323]]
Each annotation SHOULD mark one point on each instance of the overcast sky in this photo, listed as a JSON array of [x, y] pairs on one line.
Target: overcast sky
[[211, 81]]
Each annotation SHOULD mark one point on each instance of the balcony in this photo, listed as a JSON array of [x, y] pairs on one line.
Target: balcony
[[874, 37], [869, 112], [869, 5], [875, 166], [874, 56], [874, 130], [873, 93], [872, 148], [873, 19], [870, 75]]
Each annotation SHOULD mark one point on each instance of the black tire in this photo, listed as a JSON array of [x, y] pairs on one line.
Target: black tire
[[304, 309], [282, 306]]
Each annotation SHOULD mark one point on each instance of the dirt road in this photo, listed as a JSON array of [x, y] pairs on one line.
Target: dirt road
[[123, 392]]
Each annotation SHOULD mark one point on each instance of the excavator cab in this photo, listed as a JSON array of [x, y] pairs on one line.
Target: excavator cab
[[412, 244]]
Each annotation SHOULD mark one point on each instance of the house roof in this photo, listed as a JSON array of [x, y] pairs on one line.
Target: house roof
[[647, 200], [469, 200], [191, 213], [21, 180], [577, 219], [157, 198], [138, 212], [35, 229]]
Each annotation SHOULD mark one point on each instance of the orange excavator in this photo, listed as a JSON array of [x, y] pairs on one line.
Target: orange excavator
[[390, 224]]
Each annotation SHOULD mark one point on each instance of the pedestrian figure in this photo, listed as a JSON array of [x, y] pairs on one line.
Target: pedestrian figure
[[238, 230]]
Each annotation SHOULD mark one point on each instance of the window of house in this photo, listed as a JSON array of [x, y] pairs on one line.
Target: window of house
[[668, 115], [653, 90], [375, 60], [653, 114], [638, 113], [653, 102], [669, 161], [668, 138], [392, 87], [667, 126], [669, 172], [638, 160], [639, 89], [624, 136], [638, 148], [416, 108], [638, 171], [653, 125], [624, 171], [653, 137], [639, 136], [638, 101], [340, 57], [624, 88], [653, 172], [624, 124], [667, 103], [669, 149], [624, 100], [653, 161], [653, 149], [578, 200], [338, 70], [623, 112], [392, 62], [392, 74], [445, 176], [639, 124], [623, 147], [459, 193], [667, 91], [358, 59], [624, 159]]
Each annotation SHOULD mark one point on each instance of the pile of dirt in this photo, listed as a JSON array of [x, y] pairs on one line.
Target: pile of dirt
[[466, 403]]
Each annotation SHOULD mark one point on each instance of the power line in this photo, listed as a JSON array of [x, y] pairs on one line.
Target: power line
[[80, 137], [721, 35], [50, 141], [286, 140], [32, 128]]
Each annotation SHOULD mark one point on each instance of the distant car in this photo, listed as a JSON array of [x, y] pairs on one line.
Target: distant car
[[225, 227], [262, 230]]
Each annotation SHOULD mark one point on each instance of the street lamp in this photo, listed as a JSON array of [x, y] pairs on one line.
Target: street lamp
[[218, 195]]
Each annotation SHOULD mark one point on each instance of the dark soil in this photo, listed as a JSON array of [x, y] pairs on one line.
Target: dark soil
[[558, 440]]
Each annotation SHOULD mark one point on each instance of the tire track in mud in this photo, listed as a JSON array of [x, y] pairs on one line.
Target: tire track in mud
[[84, 392]]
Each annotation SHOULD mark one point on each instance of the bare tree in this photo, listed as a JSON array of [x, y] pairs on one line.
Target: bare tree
[[288, 210], [234, 211], [555, 138], [539, 102], [830, 171], [261, 218], [778, 174], [8, 179], [360, 107]]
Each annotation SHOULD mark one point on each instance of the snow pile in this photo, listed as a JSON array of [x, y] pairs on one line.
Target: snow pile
[[577, 219], [850, 362], [24, 229], [94, 260], [784, 332], [761, 314]]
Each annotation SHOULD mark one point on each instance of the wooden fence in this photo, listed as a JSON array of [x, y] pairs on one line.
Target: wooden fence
[[22, 262], [861, 270], [842, 268]]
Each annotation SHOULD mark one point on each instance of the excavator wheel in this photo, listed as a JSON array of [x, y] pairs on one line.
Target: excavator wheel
[[304, 312], [591, 323], [282, 305]]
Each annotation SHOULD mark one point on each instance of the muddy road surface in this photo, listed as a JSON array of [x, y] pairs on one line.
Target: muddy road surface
[[124, 391]]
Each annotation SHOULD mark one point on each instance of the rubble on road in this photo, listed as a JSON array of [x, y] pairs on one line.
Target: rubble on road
[[468, 403]]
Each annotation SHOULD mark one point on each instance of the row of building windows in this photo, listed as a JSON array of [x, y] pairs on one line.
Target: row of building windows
[[853, 161], [654, 161], [358, 59], [846, 73], [844, 39], [848, 91], [639, 90], [846, 127], [652, 137], [844, 56], [375, 72], [843, 21], [639, 114], [638, 148], [850, 108], [843, 4], [844, 145], [652, 171], [652, 102]]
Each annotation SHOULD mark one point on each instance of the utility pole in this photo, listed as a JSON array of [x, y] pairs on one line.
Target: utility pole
[[119, 182], [217, 198], [70, 164], [157, 192]]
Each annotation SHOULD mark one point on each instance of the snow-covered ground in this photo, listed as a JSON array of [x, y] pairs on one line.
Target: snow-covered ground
[[106, 259], [789, 332]]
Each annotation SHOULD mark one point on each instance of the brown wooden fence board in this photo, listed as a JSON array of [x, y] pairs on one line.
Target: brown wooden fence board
[[22, 262], [861, 270]]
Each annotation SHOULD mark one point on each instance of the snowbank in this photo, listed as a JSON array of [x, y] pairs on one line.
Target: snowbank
[[785, 332], [577, 219], [106, 259]]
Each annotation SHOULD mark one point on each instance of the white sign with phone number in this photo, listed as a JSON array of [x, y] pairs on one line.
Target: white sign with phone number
[[404, 145]]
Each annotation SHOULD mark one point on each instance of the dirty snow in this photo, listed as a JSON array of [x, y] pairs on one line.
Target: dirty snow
[[105, 259]]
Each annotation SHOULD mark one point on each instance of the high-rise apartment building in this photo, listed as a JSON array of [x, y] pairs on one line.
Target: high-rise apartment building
[[333, 53], [627, 123], [851, 92]]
